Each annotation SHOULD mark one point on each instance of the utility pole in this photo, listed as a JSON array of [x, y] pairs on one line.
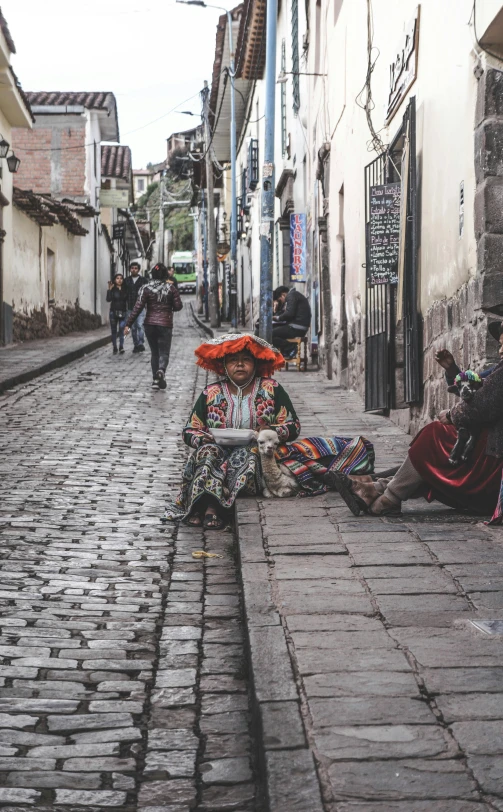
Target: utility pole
[[234, 205], [211, 236], [268, 182], [161, 218]]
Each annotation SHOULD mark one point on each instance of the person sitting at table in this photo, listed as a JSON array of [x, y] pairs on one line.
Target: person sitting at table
[[292, 318]]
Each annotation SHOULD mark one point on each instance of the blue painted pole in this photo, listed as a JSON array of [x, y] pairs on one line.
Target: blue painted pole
[[234, 210], [268, 181], [205, 261]]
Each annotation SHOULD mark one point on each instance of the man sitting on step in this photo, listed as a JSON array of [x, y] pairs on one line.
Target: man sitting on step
[[292, 318]]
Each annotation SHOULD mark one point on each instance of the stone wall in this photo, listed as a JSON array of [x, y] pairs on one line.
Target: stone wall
[[63, 320]]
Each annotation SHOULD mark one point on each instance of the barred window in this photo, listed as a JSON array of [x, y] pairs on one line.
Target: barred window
[[295, 56]]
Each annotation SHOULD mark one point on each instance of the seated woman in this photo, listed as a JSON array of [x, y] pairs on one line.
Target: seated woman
[[475, 485], [248, 398]]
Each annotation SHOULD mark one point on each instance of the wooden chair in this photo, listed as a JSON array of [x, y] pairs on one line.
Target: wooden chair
[[298, 358]]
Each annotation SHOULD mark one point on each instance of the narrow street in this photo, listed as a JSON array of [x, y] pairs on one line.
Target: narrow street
[[346, 677], [123, 673]]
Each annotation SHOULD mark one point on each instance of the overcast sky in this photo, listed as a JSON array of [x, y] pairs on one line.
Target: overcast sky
[[153, 54]]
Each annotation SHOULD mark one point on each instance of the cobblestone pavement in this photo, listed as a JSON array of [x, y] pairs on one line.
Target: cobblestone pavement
[[122, 675], [363, 656]]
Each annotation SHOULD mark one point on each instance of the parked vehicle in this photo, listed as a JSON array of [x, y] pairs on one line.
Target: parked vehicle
[[185, 271]]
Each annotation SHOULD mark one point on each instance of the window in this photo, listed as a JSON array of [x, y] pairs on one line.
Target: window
[[283, 101], [295, 57], [51, 290], [252, 170], [141, 184]]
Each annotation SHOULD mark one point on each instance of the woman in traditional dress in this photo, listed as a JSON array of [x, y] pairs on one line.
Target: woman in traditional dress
[[249, 398], [475, 485]]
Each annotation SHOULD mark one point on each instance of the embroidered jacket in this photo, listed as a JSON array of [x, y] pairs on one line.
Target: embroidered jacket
[[270, 408]]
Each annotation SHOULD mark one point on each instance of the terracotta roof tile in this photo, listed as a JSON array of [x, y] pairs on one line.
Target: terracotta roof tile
[[115, 162], [5, 31], [56, 98], [46, 211]]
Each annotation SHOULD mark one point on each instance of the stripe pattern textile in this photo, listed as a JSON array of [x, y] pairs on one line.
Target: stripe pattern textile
[[312, 457]]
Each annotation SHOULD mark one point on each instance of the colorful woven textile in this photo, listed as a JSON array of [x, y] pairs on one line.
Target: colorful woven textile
[[497, 517], [309, 459]]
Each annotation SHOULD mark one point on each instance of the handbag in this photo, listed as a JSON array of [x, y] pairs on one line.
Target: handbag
[[119, 315]]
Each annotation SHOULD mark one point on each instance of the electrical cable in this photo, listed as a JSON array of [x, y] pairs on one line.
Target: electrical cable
[[367, 104]]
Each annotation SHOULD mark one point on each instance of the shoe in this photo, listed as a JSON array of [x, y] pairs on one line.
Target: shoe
[[289, 356], [161, 380], [385, 507], [141, 348], [135, 349], [115, 350], [358, 496], [155, 384], [121, 350]]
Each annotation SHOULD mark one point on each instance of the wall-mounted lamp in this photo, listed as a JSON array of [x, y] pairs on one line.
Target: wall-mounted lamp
[[4, 147], [283, 75], [13, 163]]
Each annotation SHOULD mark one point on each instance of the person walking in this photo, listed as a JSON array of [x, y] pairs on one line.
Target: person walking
[[161, 298], [133, 285], [118, 298], [291, 320], [171, 276]]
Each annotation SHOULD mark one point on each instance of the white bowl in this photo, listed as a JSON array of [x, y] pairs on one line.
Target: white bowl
[[233, 436]]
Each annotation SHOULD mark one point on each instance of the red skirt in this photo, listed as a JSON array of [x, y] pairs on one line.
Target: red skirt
[[472, 486]]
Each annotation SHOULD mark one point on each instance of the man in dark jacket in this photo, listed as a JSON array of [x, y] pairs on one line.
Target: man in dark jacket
[[133, 284], [160, 298], [291, 319]]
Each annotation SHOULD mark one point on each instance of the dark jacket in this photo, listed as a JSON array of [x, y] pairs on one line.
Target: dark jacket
[[297, 311], [118, 298], [133, 285], [159, 312], [485, 410]]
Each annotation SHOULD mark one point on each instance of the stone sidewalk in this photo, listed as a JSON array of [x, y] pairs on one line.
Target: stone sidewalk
[[20, 363], [374, 692]]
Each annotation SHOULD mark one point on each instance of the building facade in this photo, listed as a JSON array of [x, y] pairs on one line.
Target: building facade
[[388, 146]]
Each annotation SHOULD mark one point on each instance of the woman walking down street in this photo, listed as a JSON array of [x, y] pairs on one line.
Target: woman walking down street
[[161, 298], [225, 463], [117, 295], [475, 485]]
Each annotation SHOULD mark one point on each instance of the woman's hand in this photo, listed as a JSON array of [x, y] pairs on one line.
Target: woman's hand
[[445, 359], [110, 285], [445, 417], [127, 330]]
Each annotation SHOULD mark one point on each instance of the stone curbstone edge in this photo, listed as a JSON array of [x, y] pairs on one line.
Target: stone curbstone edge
[[277, 720], [56, 363]]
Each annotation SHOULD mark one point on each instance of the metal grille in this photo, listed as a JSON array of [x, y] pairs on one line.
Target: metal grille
[[378, 308], [252, 171], [411, 326], [295, 57]]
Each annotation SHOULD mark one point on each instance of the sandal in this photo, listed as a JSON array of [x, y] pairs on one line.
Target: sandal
[[344, 486], [194, 520], [212, 521]]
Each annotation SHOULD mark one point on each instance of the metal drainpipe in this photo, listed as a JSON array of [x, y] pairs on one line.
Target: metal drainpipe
[[268, 183]]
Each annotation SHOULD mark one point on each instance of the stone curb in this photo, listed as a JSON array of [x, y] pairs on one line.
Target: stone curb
[[56, 363], [204, 327], [286, 762]]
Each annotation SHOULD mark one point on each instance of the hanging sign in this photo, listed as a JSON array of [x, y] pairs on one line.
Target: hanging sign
[[114, 198], [118, 231], [298, 230], [403, 69], [384, 234]]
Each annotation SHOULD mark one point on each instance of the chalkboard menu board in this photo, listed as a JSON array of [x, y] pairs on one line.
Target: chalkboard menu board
[[384, 234]]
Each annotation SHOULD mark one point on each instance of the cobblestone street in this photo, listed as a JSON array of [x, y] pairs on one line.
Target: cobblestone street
[[123, 678], [124, 675]]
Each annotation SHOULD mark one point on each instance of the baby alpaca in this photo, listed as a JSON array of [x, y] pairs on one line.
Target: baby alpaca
[[278, 479]]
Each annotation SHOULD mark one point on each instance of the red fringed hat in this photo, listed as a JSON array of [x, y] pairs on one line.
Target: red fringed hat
[[211, 354]]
